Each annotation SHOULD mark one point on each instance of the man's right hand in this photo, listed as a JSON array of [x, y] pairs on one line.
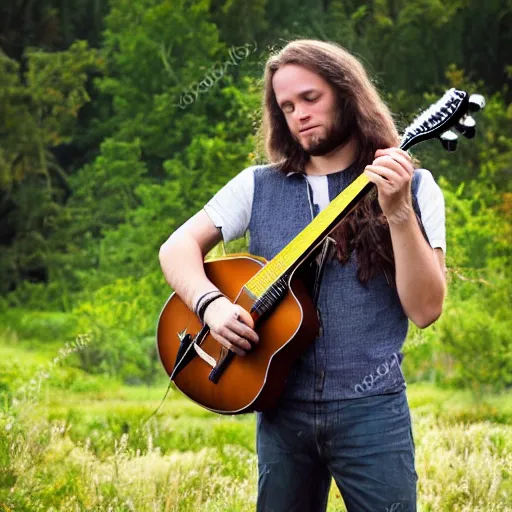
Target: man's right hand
[[231, 325]]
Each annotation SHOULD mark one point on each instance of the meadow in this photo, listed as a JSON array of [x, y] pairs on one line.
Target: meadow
[[70, 441]]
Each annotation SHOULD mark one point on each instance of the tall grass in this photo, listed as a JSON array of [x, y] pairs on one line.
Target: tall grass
[[90, 452], [75, 442]]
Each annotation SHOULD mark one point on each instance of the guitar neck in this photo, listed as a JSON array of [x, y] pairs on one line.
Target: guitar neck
[[312, 235], [450, 111]]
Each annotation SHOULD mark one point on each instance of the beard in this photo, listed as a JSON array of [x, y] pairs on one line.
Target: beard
[[337, 135]]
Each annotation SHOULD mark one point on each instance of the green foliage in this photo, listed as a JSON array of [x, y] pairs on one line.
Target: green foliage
[[31, 210], [476, 326], [476, 330], [477, 232], [154, 53], [471, 344], [98, 205], [121, 320], [82, 232], [27, 367], [38, 109], [39, 326]]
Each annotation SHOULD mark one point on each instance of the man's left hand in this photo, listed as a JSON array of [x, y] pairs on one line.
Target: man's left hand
[[392, 171]]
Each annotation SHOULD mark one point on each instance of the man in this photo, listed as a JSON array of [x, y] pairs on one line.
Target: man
[[344, 412]]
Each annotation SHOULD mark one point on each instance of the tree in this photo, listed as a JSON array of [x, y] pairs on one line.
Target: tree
[[38, 110]]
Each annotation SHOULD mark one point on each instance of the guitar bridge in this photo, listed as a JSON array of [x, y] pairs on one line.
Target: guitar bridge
[[186, 350]]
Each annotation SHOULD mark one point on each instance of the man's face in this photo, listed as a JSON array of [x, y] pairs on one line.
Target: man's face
[[309, 105]]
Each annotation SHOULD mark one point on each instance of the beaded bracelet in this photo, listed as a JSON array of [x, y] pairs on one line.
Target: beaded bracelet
[[198, 302], [206, 303]]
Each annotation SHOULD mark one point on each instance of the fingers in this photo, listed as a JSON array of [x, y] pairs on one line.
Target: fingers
[[391, 170], [395, 165], [385, 174], [242, 331], [234, 333], [243, 325], [385, 178], [231, 325], [394, 152], [245, 317], [226, 343], [226, 336], [372, 174], [398, 155], [232, 340]]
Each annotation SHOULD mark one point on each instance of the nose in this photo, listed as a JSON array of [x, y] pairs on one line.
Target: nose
[[302, 114]]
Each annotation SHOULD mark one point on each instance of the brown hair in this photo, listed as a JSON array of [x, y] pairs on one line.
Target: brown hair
[[366, 117]]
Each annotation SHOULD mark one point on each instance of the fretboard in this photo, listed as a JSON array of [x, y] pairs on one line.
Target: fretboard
[[313, 234]]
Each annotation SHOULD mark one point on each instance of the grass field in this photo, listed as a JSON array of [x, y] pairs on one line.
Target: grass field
[[73, 442]]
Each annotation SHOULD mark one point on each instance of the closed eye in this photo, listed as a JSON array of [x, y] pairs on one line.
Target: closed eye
[[288, 107]]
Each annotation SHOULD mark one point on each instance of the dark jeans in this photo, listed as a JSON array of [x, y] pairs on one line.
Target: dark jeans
[[366, 444]]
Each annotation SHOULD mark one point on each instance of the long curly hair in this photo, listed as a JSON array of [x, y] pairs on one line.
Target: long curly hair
[[366, 117]]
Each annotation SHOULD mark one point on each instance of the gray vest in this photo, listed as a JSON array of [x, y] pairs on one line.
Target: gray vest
[[363, 327]]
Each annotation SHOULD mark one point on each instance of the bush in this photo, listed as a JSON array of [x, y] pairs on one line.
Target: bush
[[121, 318]]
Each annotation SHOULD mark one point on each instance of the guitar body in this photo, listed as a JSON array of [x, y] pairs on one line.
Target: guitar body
[[250, 382]]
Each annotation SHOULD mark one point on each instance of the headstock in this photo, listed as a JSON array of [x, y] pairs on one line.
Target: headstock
[[451, 111]]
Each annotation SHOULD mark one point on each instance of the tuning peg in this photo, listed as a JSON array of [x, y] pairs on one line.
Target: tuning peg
[[466, 127], [449, 140], [468, 122], [476, 102]]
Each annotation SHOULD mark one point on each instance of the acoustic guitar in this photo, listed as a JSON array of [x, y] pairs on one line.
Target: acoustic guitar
[[274, 294]]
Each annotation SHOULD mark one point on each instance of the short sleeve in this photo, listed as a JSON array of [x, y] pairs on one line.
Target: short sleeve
[[431, 203], [230, 208]]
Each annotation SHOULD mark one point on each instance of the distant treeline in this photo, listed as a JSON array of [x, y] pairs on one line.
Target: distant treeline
[[120, 119]]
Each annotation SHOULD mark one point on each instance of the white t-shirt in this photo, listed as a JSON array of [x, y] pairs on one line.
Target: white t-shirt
[[230, 208]]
